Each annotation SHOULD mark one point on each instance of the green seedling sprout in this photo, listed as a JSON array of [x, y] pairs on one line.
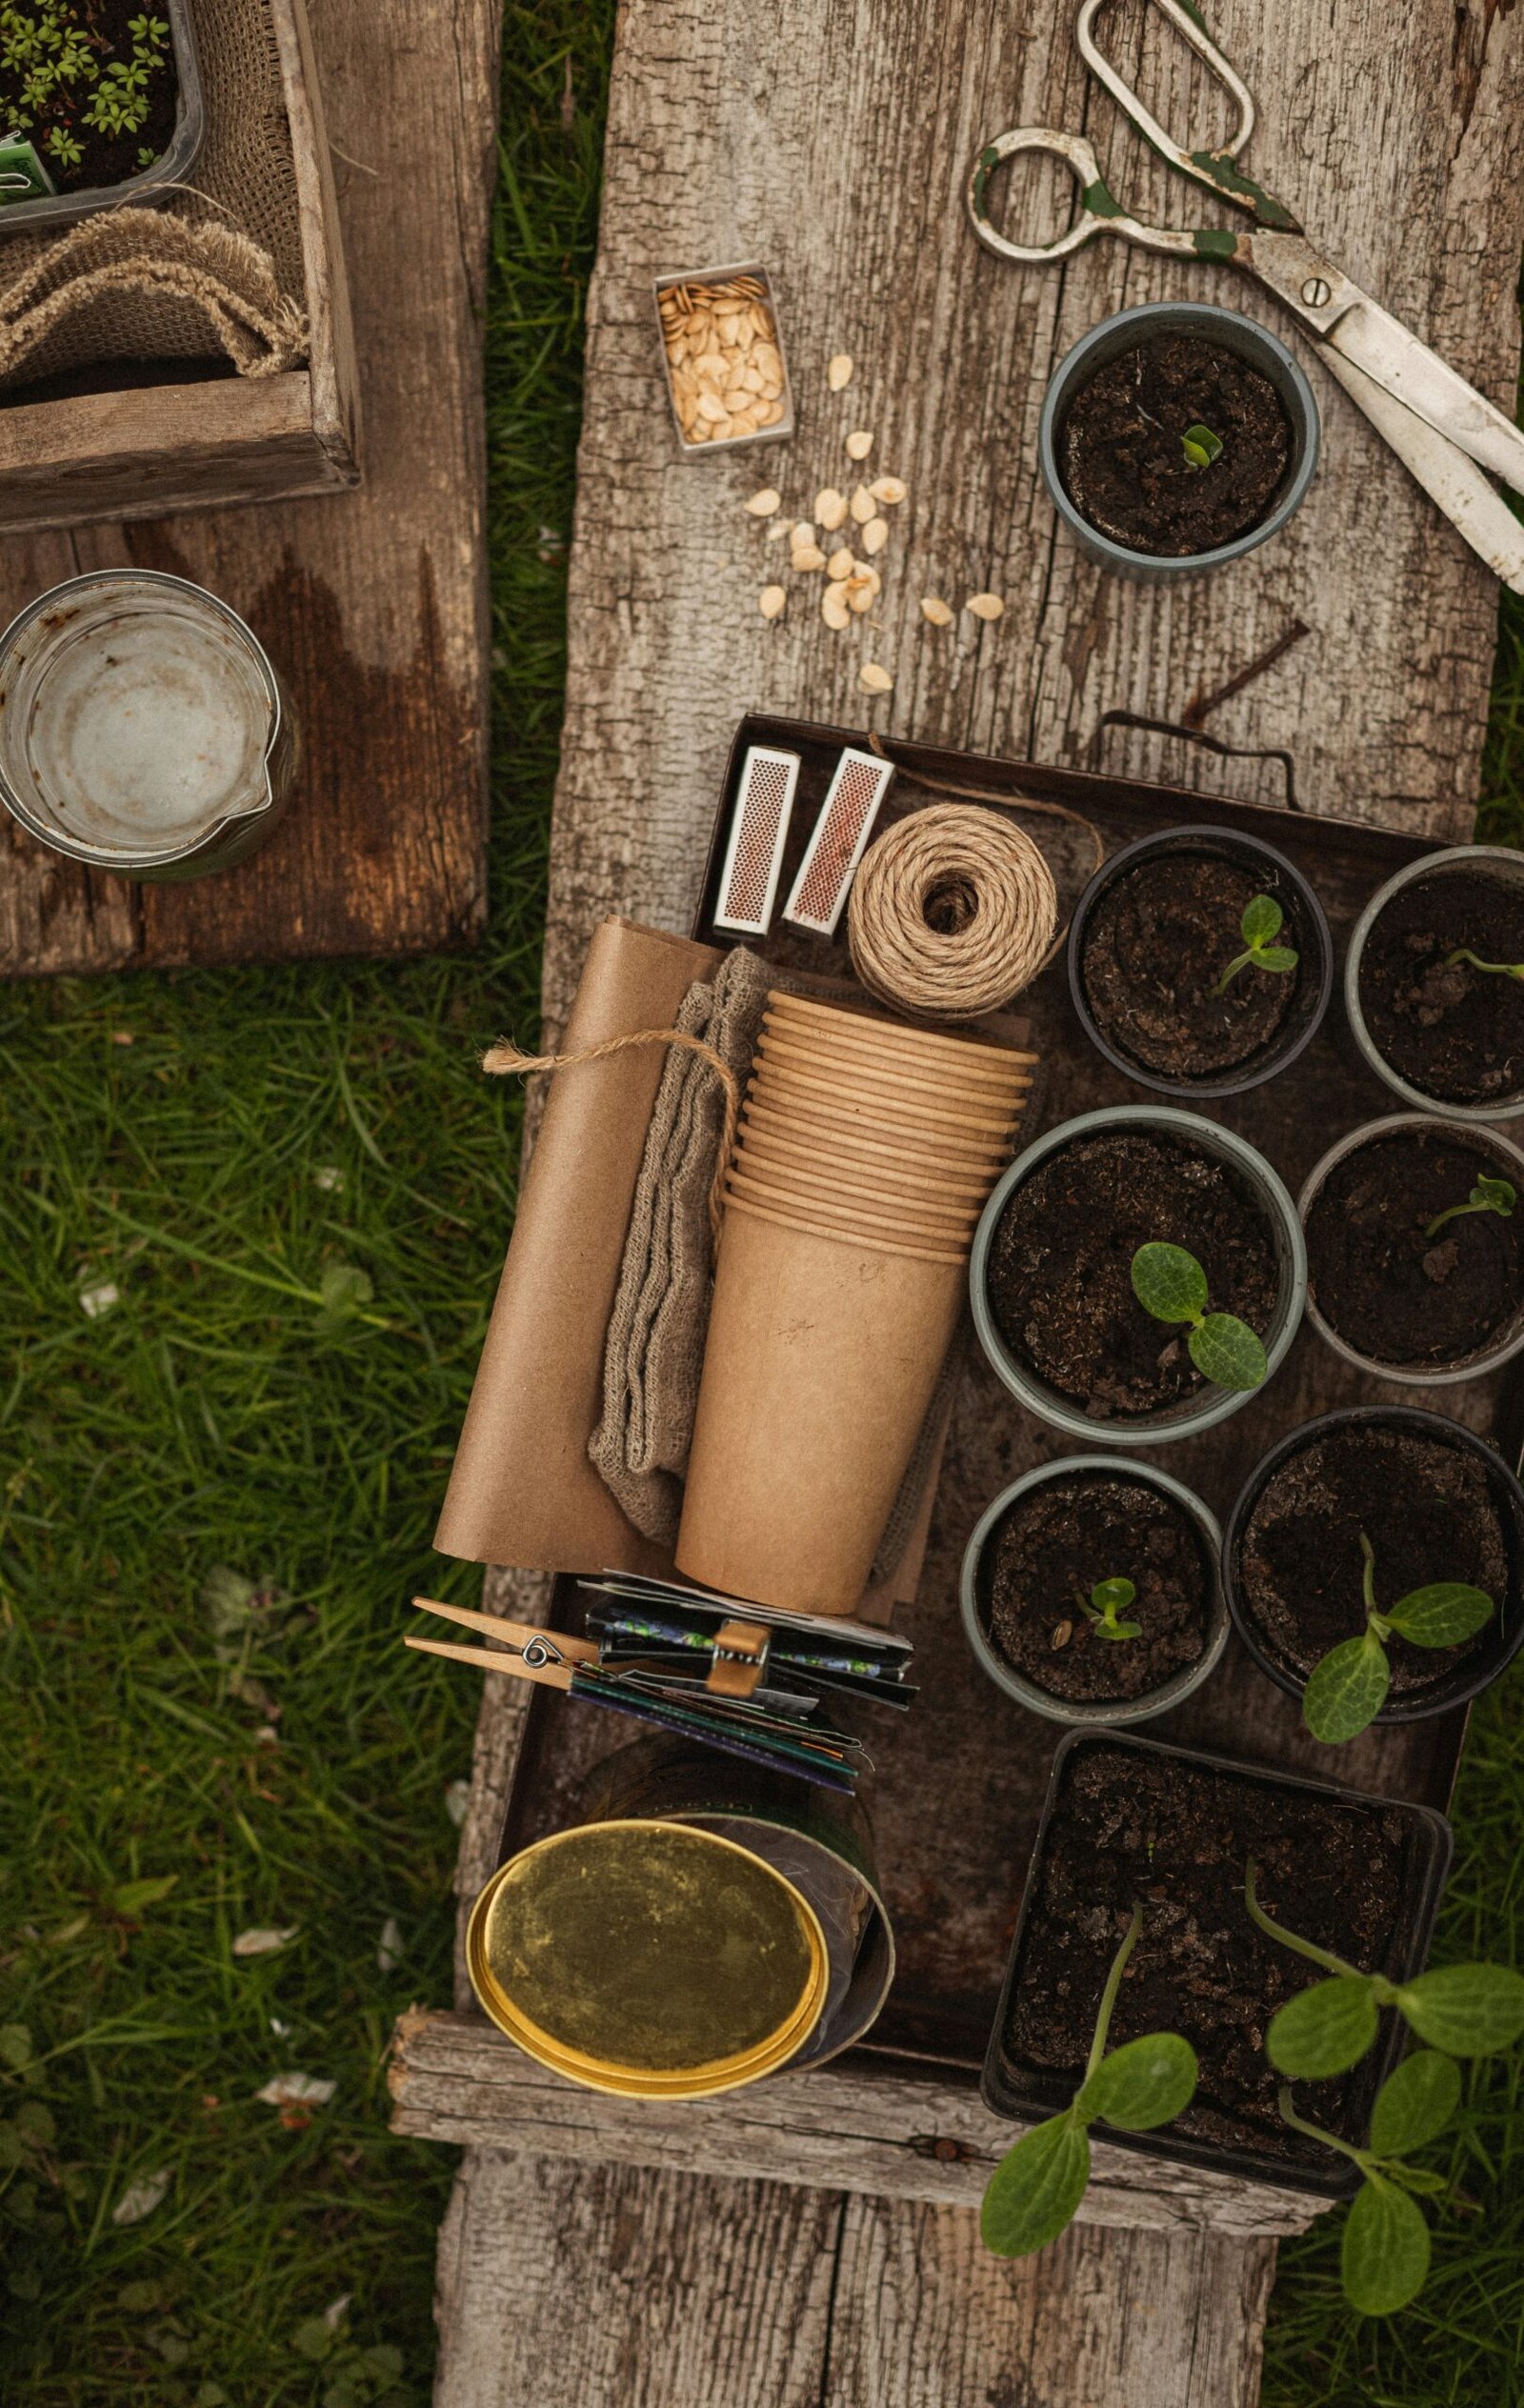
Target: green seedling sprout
[[1347, 1689], [1488, 1195], [1200, 447], [1497, 969], [1037, 2187], [1172, 1285], [1107, 1601], [1464, 2009], [1384, 2254], [1262, 924]]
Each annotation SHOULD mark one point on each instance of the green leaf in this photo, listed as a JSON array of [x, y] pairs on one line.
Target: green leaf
[[1200, 446], [1112, 1594], [1384, 2257], [12, 2149], [130, 1897], [1119, 1630], [344, 1289], [1466, 2010], [1036, 2188], [1495, 1196], [1169, 1283], [1324, 2030], [1346, 1689], [36, 2124], [1225, 1350], [1415, 2104], [1441, 1615], [1263, 919], [1144, 2083], [15, 2045], [1277, 958], [384, 2362], [313, 2338]]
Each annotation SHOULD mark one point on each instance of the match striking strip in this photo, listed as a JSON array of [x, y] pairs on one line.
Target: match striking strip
[[759, 829], [839, 841]]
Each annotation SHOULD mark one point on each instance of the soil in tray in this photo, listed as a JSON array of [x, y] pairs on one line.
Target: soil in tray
[[1121, 455], [1175, 1838], [99, 33], [1426, 1509], [1061, 1281], [1452, 1031], [1389, 1290], [1047, 1553], [1158, 941]]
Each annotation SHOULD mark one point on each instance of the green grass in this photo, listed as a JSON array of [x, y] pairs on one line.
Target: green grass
[[189, 1756]]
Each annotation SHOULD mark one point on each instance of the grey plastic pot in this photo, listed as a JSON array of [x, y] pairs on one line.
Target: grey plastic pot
[[1493, 860], [1308, 930], [1108, 1714], [1510, 1162], [1208, 324], [1210, 1404]]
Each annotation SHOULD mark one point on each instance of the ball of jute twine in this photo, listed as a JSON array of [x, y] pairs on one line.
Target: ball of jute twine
[[951, 914]]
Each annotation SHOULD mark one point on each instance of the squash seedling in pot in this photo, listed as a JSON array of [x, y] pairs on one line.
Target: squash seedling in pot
[[1262, 922], [1488, 1195], [1107, 1601], [1171, 1284], [1348, 1686], [1200, 447], [1038, 2186]]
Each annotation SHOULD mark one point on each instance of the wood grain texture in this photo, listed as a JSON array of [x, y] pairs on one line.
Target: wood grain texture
[[372, 603], [863, 2122], [1393, 132]]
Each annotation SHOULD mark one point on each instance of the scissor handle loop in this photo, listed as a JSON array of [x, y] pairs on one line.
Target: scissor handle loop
[[1077, 156], [1191, 29]]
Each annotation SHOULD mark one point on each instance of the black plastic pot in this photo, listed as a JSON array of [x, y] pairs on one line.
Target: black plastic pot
[[1307, 929], [1500, 1639], [1031, 2093]]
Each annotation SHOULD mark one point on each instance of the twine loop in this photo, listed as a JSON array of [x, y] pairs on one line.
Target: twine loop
[[951, 914]]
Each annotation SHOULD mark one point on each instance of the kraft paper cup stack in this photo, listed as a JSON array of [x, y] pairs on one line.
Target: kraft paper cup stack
[[863, 1161]]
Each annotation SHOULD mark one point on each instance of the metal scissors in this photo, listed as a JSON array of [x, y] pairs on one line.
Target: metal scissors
[[1444, 430]]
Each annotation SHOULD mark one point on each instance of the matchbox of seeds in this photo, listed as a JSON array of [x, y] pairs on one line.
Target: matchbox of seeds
[[726, 377]]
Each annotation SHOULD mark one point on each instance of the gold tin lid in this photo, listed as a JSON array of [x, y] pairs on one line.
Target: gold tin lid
[[648, 1958]]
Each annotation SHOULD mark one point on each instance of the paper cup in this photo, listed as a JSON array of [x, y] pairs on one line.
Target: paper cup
[[921, 1088], [812, 1123], [883, 1091], [866, 1028], [866, 1239], [821, 1361], [877, 1214], [825, 1045], [864, 1176]]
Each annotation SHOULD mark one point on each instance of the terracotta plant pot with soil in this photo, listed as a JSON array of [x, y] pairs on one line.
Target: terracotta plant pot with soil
[[1157, 971], [1042, 1549], [1434, 1502], [1175, 438], [1440, 1030], [1050, 1272], [1127, 1821], [1407, 1277]]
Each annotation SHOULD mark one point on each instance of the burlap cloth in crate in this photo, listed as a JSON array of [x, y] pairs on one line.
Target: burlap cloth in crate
[[218, 268]]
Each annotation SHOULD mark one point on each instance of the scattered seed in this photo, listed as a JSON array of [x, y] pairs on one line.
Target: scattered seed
[[859, 443], [876, 535], [838, 372], [831, 508], [888, 490], [876, 680], [860, 594], [985, 606], [807, 557], [763, 504], [842, 563], [770, 601], [863, 506], [779, 528], [934, 608], [833, 607], [1063, 1634], [804, 532]]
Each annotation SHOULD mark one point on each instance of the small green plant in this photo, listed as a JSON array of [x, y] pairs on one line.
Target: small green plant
[[1106, 1601], [1488, 1195], [1384, 2252], [1172, 1285], [1200, 447], [63, 146], [47, 50], [1348, 1688], [1037, 2187], [1495, 969], [1262, 922], [1465, 2010]]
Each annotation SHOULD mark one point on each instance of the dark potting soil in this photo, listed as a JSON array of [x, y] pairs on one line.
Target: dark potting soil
[[1382, 1283], [104, 158], [1059, 1276], [1175, 1839], [1159, 940], [1049, 1551], [1426, 1509], [1452, 1031], [1121, 459]]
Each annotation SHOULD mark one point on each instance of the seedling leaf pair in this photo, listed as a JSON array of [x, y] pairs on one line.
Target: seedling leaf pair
[[1488, 1195], [1262, 924], [1200, 447], [1348, 1688], [1108, 1599], [1171, 1284]]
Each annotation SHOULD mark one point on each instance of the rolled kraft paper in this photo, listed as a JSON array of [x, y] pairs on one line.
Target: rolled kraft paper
[[826, 1138], [865, 1028], [838, 1178], [917, 1078], [821, 1362], [982, 1068], [877, 1214], [889, 1098]]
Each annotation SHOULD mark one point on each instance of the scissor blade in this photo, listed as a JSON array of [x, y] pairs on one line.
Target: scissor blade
[[1382, 348], [1447, 475]]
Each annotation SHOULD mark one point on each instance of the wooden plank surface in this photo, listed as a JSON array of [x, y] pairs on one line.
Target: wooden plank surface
[[371, 603], [840, 163]]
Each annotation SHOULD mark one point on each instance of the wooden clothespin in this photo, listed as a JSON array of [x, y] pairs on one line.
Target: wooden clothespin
[[547, 1658], [740, 1659]]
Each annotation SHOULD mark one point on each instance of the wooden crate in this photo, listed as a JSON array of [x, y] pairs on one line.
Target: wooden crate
[[142, 450]]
